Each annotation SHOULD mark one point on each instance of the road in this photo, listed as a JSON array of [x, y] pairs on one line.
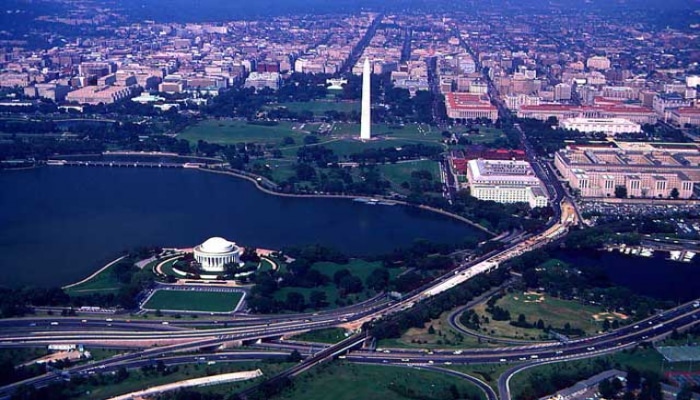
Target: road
[[483, 386], [453, 319], [179, 336]]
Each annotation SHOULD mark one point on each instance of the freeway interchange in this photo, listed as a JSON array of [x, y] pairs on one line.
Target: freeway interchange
[[159, 340]]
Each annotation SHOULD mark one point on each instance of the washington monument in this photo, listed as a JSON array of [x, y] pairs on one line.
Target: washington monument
[[366, 118]]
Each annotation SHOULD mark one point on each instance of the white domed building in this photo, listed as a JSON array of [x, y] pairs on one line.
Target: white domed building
[[216, 252]]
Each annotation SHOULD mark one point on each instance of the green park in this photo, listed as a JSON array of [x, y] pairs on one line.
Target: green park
[[193, 300]]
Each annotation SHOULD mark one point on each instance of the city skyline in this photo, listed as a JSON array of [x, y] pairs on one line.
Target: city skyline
[[419, 199]]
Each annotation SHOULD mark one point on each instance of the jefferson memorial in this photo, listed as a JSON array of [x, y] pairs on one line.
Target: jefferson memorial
[[215, 252]]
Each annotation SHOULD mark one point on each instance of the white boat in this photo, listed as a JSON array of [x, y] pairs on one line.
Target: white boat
[[56, 162], [646, 252], [688, 257], [674, 255], [194, 165]]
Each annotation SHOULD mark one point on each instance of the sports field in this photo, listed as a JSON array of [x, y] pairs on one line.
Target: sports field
[[191, 300]]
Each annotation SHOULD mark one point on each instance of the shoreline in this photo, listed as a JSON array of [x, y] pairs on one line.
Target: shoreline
[[94, 274], [345, 196]]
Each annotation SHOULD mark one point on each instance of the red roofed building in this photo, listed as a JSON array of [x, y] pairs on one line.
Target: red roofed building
[[469, 106], [686, 115]]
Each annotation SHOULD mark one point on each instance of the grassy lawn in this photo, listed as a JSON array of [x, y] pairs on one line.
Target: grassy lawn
[[330, 335], [341, 381], [104, 282], [418, 132], [231, 132], [330, 290], [401, 172], [167, 268], [553, 311], [357, 267], [488, 373], [22, 355], [486, 135], [320, 107], [193, 301], [138, 381], [444, 337]]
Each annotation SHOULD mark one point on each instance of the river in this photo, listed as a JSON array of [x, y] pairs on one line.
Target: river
[[651, 276], [58, 224]]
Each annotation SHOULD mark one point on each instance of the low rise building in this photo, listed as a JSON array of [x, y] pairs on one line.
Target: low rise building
[[505, 181], [98, 94], [643, 170], [686, 116], [260, 80], [609, 126], [463, 106], [638, 114]]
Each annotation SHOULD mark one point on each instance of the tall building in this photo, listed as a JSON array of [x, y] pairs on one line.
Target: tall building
[[366, 117]]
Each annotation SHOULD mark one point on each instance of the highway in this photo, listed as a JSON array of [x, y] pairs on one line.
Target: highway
[[60, 330], [180, 336], [453, 319]]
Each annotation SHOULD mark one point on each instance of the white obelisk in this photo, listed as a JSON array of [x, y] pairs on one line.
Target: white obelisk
[[366, 118]]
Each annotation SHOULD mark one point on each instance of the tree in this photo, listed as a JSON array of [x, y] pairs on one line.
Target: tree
[[431, 330], [295, 301], [620, 192], [675, 193], [350, 284], [317, 299], [540, 324], [339, 275], [378, 279], [294, 356], [122, 374]]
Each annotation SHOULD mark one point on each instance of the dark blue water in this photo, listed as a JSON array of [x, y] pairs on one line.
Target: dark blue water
[[651, 276], [58, 224]]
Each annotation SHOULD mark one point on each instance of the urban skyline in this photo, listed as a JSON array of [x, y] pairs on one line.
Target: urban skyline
[[417, 199]]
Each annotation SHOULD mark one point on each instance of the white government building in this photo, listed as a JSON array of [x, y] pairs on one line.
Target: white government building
[[216, 252], [609, 126], [505, 181]]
